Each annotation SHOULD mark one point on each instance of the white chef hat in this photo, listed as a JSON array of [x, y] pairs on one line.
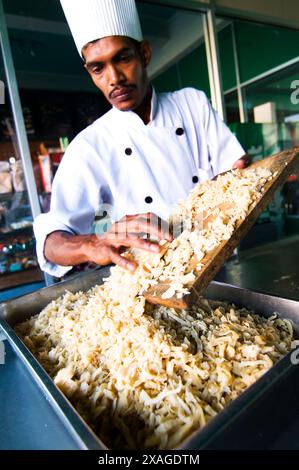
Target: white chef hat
[[95, 19]]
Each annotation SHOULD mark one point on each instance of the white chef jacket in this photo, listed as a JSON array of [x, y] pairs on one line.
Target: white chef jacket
[[120, 165]]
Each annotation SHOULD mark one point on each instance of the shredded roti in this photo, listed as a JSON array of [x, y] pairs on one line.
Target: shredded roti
[[147, 377], [203, 221]]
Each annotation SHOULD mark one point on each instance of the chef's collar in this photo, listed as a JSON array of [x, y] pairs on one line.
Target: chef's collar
[[132, 117]]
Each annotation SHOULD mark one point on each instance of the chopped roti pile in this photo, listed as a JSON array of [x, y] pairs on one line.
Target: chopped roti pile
[[204, 220], [147, 377]]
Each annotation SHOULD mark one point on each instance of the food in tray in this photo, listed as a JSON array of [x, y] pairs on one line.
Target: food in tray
[[203, 221], [146, 377]]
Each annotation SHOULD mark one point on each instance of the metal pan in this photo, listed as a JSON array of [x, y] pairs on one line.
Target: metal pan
[[250, 421]]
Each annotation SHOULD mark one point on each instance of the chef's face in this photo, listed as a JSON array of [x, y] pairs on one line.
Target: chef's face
[[117, 67]]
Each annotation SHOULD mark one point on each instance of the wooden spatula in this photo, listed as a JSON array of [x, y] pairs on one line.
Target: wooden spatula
[[283, 164]]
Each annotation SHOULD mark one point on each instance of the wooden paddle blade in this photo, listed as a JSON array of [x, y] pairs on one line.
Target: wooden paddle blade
[[154, 296], [281, 165]]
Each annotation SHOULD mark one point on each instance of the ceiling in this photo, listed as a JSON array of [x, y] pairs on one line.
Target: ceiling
[[282, 12]]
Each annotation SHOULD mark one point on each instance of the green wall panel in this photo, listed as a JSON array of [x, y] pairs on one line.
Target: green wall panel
[[194, 71], [261, 48], [191, 71], [168, 80], [226, 53]]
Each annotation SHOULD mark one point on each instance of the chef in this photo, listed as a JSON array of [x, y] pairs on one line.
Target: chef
[[135, 162]]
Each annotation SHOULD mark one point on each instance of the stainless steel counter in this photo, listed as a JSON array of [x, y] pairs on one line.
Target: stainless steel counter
[[271, 268]]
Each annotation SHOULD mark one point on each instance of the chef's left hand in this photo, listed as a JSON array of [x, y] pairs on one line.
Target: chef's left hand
[[243, 162]]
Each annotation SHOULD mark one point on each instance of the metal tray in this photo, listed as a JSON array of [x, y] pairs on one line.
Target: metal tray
[[250, 422]]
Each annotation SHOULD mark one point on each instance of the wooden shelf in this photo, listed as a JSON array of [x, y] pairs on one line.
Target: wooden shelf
[[19, 278]]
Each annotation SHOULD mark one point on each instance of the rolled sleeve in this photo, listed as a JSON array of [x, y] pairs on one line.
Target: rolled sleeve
[[43, 225], [76, 196]]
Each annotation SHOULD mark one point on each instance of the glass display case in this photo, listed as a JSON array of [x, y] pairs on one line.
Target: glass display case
[[18, 263]]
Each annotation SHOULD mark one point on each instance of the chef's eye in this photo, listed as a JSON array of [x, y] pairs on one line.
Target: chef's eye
[[125, 56], [97, 70]]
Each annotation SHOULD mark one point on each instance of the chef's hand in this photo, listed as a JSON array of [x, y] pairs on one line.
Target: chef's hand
[[127, 232], [243, 162]]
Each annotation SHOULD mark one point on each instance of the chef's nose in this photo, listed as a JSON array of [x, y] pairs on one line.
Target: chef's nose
[[115, 75]]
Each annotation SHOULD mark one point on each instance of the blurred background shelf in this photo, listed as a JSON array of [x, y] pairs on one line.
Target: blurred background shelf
[[19, 278]]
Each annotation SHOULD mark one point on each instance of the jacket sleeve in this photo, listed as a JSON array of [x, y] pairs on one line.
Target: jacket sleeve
[[76, 197]]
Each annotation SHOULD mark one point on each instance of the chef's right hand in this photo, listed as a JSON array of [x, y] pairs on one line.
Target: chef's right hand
[[125, 233]]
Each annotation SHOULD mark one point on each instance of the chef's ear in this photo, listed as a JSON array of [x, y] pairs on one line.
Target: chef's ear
[[145, 52]]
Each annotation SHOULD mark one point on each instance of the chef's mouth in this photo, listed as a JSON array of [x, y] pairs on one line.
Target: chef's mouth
[[122, 94]]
